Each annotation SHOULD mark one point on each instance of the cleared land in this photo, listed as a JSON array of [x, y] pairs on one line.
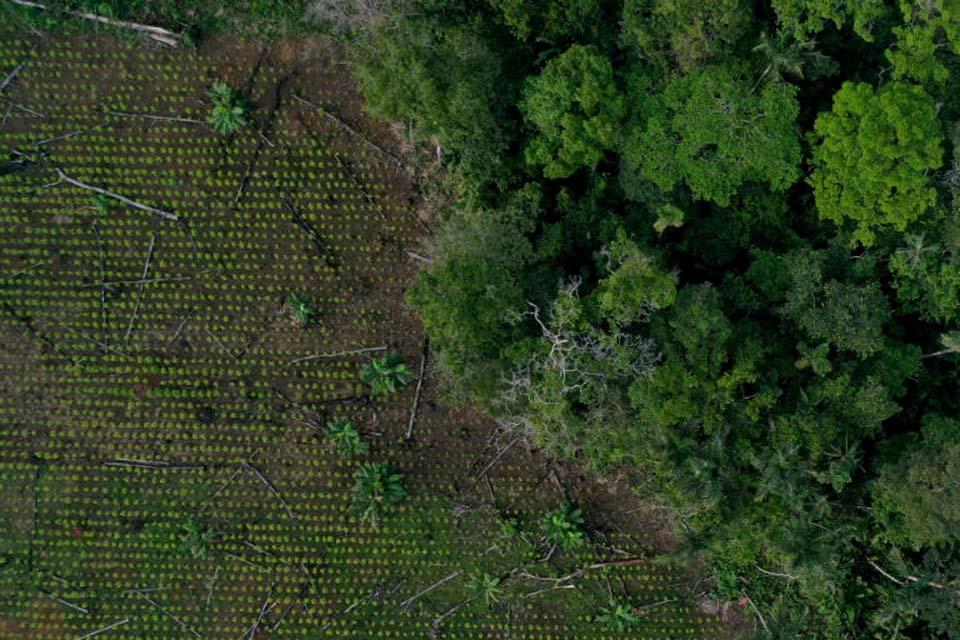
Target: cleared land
[[150, 375]]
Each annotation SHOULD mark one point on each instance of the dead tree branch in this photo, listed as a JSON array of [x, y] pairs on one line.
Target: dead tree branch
[[103, 629], [350, 129], [495, 459], [114, 283], [347, 169], [143, 278], [16, 105], [159, 34], [416, 396], [65, 603], [452, 610], [406, 603], [166, 215], [339, 354], [914, 580], [167, 613], [319, 244], [263, 610], [16, 71], [252, 469], [147, 116]]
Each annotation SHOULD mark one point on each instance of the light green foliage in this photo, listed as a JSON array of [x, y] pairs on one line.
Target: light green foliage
[[816, 358], [230, 110], [562, 527], [618, 616], [576, 108], [685, 33], [925, 281], [196, 538], [301, 308], [342, 433], [385, 375], [806, 18], [874, 150], [923, 486], [635, 287], [377, 487], [951, 341], [711, 132], [929, 34], [486, 587], [668, 216]]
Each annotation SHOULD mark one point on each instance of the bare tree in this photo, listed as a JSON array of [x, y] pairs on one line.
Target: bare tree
[[575, 365]]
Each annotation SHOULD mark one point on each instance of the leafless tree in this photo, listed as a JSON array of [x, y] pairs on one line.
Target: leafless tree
[[576, 364]]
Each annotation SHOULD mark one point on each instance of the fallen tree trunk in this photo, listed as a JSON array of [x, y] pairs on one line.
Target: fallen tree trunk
[[159, 34], [166, 215]]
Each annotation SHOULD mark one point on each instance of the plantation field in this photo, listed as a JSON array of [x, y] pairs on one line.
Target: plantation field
[[151, 376]]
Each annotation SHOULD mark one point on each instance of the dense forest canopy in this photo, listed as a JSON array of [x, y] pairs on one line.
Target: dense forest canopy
[[717, 243]]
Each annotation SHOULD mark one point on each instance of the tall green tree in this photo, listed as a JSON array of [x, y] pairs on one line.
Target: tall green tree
[[873, 152], [710, 132], [806, 18], [684, 34], [576, 108]]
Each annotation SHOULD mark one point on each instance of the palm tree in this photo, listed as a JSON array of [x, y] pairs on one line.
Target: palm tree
[[230, 110], [301, 308], [785, 56], [386, 374], [377, 487], [342, 433], [485, 586], [916, 248]]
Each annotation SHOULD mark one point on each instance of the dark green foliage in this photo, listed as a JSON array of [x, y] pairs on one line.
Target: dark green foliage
[[443, 73], [712, 133], [554, 21], [474, 283], [920, 490], [651, 283], [808, 17], [685, 33], [301, 308], [377, 487], [783, 57], [927, 281], [844, 315], [385, 375], [196, 538], [576, 107]]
